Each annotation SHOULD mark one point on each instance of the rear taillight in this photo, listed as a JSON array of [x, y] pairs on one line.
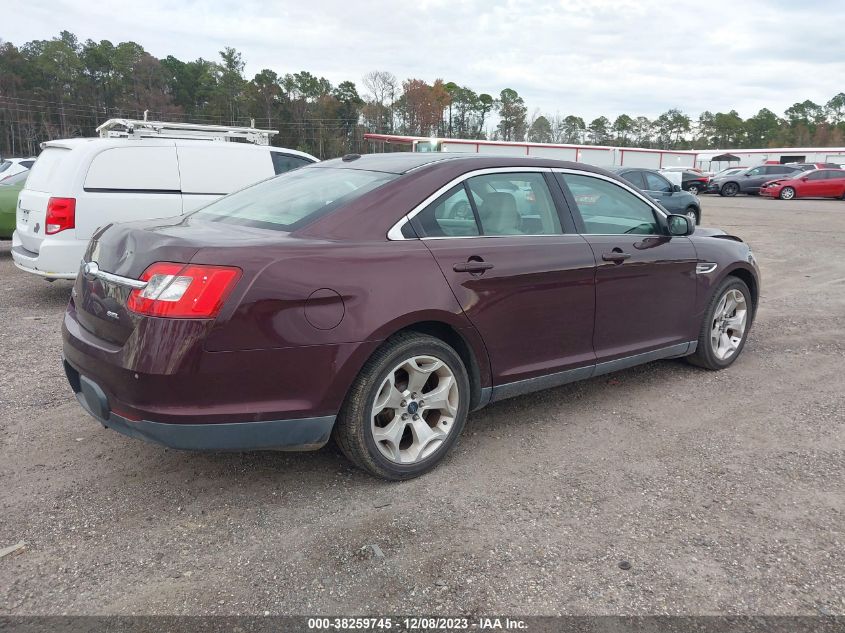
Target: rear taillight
[[183, 291], [61, 215]]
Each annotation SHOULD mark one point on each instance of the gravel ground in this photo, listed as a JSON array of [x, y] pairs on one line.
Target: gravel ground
[[724, 491]]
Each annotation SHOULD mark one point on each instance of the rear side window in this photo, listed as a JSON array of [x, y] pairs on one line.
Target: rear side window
[[293, 199], [4, 166], [134, 169], [635, 178], [451, 215], [46, 167], [514, 204], [27, 163], [286, 162]]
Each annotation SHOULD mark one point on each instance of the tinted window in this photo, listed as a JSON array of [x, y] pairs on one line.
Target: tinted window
[[608, 209], [757, 171], [654, 182], [286, 162], [451, 215], [27, 163], [4, 166], [514, 204], [815, 175], [835, 173], [289, 200], [635, 178]]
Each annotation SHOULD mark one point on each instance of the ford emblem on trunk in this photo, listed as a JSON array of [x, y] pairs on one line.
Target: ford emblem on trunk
[[90, 270]]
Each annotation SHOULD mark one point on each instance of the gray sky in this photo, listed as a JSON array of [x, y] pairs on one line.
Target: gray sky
[[574, 57]]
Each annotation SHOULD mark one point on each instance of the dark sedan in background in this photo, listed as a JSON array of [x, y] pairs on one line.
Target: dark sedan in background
[[345, 298], [671, 197]]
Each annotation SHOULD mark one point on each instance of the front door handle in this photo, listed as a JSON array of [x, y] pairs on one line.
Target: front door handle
[[472, 267], [617, 256]]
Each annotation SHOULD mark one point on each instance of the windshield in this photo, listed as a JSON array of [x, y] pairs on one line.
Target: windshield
[[16, 179], [288, 201]]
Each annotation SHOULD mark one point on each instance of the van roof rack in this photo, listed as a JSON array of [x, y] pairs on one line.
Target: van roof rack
[[134, 128]]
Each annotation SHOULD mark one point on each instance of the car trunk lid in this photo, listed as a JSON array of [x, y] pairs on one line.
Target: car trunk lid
[[124, 251]]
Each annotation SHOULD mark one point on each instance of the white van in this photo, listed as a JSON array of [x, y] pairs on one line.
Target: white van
[[78, 185]]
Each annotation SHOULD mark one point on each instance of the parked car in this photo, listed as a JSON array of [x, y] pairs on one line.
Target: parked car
[[78, 185], [11, 166], [748, 180], [10, 188], [817, 183], [671, 197], [694, 182], [812, 166], [343, 298]]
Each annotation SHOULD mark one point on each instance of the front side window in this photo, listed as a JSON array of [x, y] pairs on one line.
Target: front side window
[[657, 183], [608, 209], [757, 171], [816, 175], [288, 201]]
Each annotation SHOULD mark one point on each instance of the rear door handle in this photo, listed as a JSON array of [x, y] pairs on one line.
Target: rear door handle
[[472, 267], [616, 256]]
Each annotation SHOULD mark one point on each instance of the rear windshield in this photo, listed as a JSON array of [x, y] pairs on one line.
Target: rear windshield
[[45, 167], [288, 201]]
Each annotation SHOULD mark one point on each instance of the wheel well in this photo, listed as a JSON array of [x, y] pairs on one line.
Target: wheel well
[[450, 336], [748, 278]]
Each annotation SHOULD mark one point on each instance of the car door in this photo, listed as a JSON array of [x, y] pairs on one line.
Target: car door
[[837, 184], [662, 191], [524, 281], [752, 180], [645, 279], [814, 184]]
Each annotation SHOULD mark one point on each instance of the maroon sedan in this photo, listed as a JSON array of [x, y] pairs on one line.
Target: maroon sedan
[[381, 298]]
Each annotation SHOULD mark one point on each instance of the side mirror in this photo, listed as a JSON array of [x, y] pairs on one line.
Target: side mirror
[[676, 188], [804, 179], [680, 225]]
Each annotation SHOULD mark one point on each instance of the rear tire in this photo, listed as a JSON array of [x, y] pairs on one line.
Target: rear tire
[[729, 189], [724, 329], [693, 189], [787, 193], [406, 409]]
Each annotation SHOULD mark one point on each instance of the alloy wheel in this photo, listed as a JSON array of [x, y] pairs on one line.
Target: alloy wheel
[[414, 409], [729, 323], [693, 218], [730, 189], [787, 193], [693, 189]]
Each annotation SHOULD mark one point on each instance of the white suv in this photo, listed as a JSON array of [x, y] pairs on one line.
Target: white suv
[[78, 185]]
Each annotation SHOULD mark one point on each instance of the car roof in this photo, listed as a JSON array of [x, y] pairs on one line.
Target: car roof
[[405, 162], [97, 143]]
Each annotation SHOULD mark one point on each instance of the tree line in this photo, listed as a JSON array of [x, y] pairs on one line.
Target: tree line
[[62, 87]]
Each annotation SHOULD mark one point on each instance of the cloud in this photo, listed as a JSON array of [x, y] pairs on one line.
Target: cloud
[[581, 57]]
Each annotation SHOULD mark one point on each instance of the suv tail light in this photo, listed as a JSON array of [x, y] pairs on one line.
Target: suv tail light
[[61, 215], [183, 291]]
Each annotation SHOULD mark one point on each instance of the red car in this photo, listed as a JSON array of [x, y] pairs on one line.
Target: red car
[[349, 297], [819, 183]]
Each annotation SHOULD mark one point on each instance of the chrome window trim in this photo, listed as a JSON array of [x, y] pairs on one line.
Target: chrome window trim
[[395, 232]]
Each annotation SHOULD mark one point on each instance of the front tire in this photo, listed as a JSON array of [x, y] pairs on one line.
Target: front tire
[[729, 189], [787, 193], [724, 329], [692, 214], [406, 409]]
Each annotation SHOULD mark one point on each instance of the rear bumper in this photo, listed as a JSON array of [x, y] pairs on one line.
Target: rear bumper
[[296, 434], [56, 259]]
